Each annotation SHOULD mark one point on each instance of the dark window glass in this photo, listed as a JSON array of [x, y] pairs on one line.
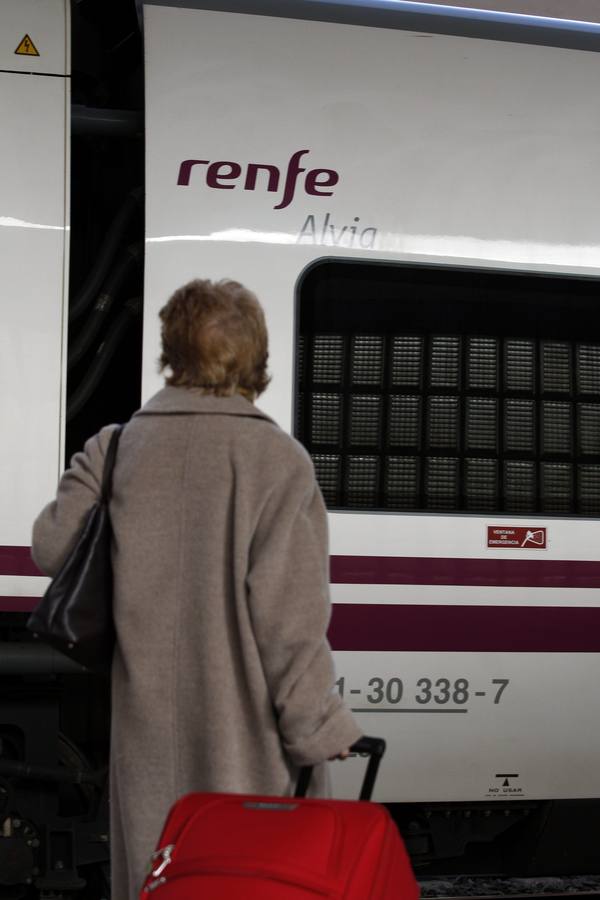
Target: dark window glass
[[448, 389]]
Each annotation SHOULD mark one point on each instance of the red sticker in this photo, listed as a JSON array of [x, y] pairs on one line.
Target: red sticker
[[517, 538]]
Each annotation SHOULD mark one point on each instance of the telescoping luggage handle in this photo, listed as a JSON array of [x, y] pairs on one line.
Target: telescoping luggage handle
[[375, 747]]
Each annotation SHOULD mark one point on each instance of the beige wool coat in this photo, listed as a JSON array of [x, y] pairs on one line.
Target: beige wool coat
[[222, 678]]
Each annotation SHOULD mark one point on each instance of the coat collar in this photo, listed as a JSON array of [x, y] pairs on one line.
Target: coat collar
[[180, 400]]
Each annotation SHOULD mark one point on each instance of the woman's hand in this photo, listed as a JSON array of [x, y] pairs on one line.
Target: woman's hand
[[343, 754]]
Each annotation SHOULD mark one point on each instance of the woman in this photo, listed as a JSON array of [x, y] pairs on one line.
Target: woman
[[222, 677]]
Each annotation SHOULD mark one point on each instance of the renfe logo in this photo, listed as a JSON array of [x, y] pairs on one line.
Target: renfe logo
[[220, 174]]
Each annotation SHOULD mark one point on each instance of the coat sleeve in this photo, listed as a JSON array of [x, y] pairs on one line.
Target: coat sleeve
[[56, 529], [288, 593]]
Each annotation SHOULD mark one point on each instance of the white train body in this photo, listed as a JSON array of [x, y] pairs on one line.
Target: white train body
[[276, 147], [34, 219], [387, 146]]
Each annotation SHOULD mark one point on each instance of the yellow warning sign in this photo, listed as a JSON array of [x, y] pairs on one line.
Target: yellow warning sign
[[27, 47]]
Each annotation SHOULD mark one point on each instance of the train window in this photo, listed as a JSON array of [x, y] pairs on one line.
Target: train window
[[448, 389]]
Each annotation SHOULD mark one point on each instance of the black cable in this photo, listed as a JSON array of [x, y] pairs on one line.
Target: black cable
[[114, 236], [104, 354], [130, 260]]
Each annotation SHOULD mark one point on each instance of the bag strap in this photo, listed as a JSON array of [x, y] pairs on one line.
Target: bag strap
[[109, 463]]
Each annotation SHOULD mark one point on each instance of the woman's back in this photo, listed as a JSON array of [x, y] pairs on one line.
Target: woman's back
[[222, 676], [196, 475]]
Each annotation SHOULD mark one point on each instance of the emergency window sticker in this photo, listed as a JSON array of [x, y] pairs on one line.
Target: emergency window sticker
[[507, 537]]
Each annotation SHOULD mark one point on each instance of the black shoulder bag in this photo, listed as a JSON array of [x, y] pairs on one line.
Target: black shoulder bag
[[75, 614]]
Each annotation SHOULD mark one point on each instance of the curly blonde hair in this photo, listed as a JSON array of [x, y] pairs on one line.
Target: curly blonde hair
[[214, 337]]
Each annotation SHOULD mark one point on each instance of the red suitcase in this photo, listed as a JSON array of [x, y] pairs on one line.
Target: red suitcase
[[236, 847]]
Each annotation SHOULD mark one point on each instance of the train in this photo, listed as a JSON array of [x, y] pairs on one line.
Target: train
[[410, 191]]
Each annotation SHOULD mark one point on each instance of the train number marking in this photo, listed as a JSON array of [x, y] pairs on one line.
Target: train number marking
[[503, 682], [441, 695]]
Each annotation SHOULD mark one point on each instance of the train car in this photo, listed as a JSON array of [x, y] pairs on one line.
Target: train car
[[67, 159], [411, 194]]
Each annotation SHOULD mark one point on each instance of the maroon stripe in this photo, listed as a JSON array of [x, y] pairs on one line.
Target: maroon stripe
[[18, 604], [412, 570], [17, 561], [440, 570], [525, 629]]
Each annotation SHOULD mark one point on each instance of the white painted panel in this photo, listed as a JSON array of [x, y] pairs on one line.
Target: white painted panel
[[46, 23], [458, 536], [455, 150], [462, 595], [451, 150], [32, 247], [544, 728], [22, 586]]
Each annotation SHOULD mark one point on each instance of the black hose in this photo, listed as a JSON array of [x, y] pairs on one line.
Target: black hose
[[130, 260], [10, 768], [104, 354], [114, 236]]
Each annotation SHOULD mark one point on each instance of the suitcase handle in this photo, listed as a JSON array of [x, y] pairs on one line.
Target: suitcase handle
[[375, 747]]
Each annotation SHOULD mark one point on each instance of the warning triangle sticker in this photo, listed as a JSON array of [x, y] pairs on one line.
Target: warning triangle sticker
[[27, 47]]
